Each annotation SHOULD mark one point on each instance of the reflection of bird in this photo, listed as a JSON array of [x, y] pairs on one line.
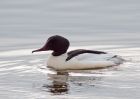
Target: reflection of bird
[[60, 59], [59, 84], [63, 82]]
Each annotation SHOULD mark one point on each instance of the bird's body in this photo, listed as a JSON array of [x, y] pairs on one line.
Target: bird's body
[[85, 61], [60, 59]]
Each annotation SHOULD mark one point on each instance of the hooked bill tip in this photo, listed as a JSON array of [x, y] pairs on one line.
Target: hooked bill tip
[[33, 51]]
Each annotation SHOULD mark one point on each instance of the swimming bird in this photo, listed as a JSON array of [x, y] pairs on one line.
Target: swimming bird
[[77, 59]]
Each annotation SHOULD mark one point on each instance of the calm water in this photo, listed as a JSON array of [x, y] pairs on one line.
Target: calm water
[[108, 25]]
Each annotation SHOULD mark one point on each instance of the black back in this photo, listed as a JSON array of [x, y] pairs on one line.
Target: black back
[[74, 53]]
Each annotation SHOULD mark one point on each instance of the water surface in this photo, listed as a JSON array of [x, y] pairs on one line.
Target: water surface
[[111, 26]]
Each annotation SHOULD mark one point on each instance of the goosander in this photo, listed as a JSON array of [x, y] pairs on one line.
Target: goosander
[[60, 59]]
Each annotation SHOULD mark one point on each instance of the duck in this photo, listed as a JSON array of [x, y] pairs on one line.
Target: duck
[[79, 59]]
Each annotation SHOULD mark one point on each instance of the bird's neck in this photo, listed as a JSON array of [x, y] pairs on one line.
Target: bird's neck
[[56, 53]]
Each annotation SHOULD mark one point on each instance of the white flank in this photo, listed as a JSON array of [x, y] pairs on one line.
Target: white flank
[[60, 63]]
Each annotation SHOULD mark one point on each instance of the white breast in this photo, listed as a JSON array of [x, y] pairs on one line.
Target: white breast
[[83, 61]]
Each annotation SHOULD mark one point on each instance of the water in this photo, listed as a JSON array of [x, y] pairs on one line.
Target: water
[[108, 25]]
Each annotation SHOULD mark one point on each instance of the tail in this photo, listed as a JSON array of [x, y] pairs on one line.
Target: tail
[[117, 59]]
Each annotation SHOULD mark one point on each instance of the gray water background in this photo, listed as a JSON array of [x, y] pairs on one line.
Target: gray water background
[[108, 25]]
